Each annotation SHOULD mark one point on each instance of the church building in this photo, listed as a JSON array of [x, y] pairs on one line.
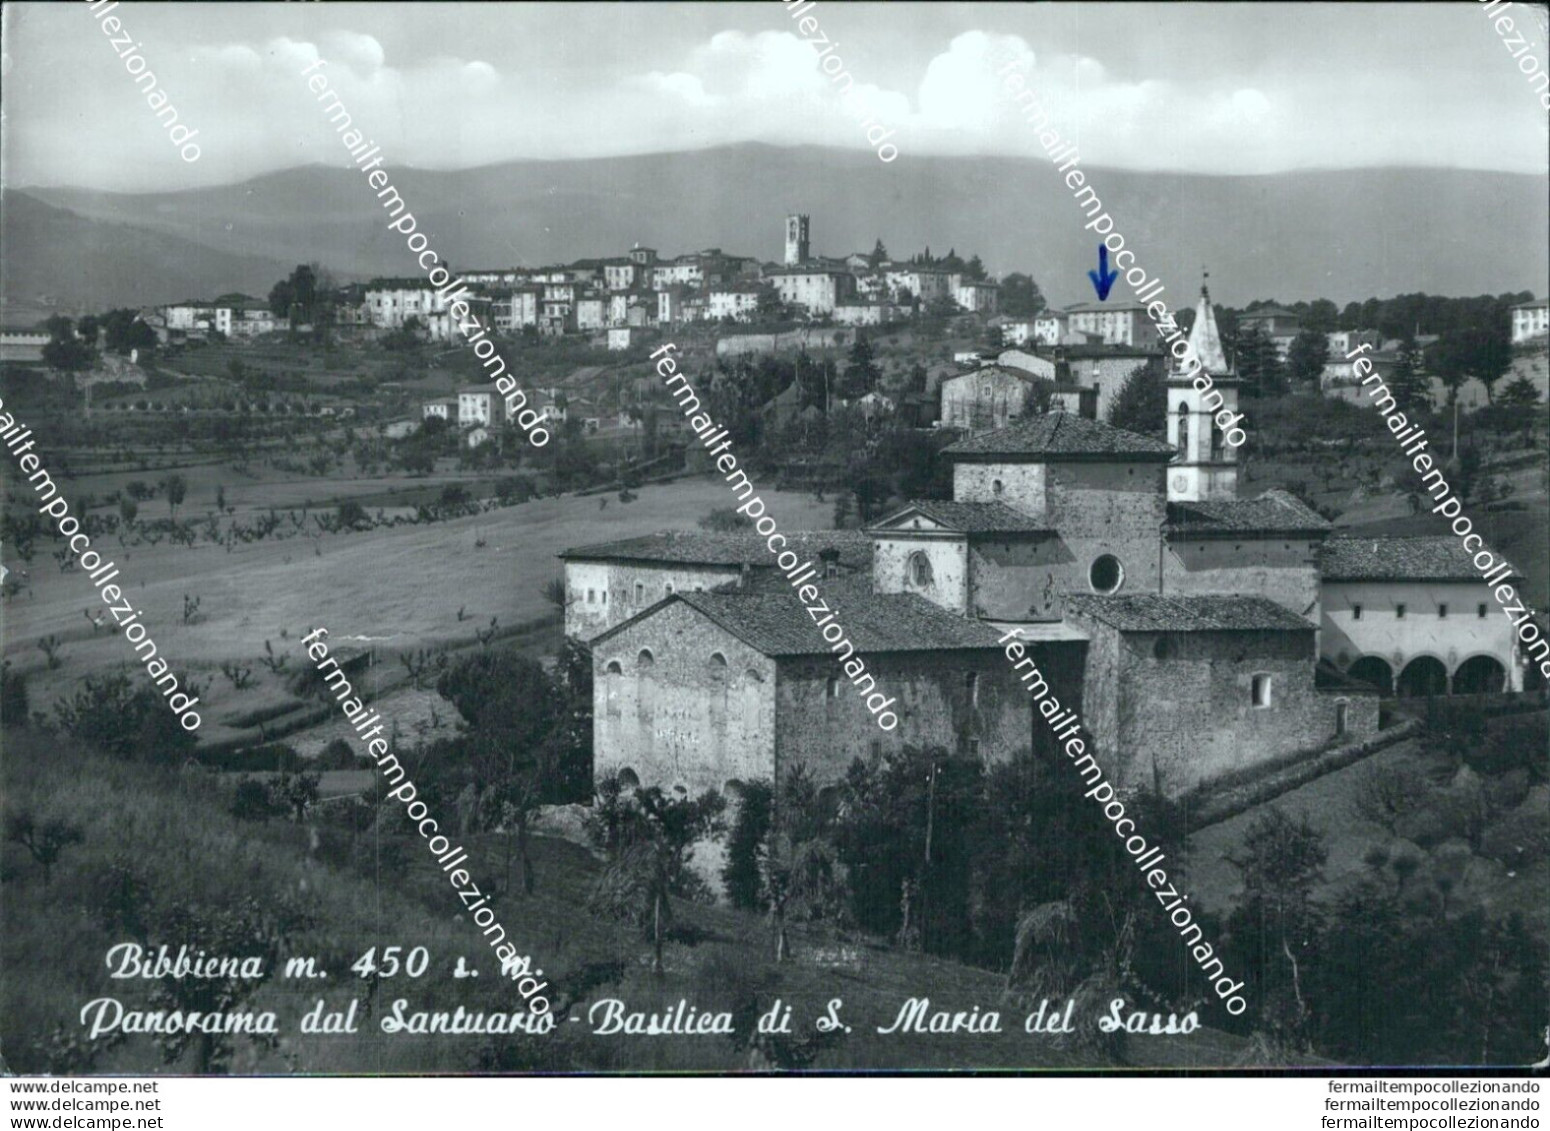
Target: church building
[[1198, 633]]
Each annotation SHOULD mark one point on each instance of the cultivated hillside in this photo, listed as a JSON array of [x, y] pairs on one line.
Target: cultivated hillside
[[1342, 235]]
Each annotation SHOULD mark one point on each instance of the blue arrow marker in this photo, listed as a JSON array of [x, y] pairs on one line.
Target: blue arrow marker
[[1103, 278]]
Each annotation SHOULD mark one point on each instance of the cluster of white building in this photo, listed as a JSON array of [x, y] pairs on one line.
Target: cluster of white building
[[617, 296], [477, 411], [235, 316], [641, 290]]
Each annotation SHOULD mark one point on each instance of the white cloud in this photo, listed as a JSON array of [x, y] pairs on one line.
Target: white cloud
[[438, 107], [362, 53]]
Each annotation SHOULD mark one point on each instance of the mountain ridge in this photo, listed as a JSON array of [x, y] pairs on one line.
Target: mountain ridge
[[1341, 234]]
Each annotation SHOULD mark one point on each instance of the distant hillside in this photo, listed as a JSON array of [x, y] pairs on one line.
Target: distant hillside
[[89, 264], [1340, 235]]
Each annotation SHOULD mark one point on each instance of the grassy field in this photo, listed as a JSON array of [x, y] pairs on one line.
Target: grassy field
[[375, 889], [1327, 802], [398, 588]]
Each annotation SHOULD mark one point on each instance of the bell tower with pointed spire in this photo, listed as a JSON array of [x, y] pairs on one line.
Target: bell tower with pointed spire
[[1205, 466]]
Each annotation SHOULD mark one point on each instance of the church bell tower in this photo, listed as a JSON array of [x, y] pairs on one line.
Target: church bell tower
[[1205, 466], [796, 239]]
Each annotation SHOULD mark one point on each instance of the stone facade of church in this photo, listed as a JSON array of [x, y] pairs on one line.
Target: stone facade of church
[[1202, 634]]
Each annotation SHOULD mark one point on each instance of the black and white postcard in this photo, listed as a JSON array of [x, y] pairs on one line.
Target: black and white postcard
[[805, 537]]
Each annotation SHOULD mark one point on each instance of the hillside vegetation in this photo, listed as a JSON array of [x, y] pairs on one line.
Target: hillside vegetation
[[161, 859]]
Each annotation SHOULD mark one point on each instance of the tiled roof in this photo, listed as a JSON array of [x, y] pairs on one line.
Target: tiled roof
[[1439, 558], [778, 623], [730, 548], [1274, 512], [805, 269], [1060, 435], [1150, 347], [1101, 307], [1148, 612], [972, 518], [1020, 373]]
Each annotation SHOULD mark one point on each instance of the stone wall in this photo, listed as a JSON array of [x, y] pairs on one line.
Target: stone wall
[[1018, 577], [683, 717], [1108, 508], [1284, 570], [826, 729], [1112, 372], [1177, 708], [1022, 485], [737, 345], [948, 584], [984, 400]]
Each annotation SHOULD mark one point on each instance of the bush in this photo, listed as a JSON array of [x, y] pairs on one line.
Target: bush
[[352, 515], [725, 519], [339, 755], [252, 801], [13, 697], [752, 825], [275, 756], [131, 724]]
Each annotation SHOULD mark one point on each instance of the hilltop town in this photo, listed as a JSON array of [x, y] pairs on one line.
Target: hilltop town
[[551, 632]]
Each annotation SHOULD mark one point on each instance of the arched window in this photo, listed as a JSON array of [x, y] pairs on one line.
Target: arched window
[[971, 684], [718, 667], [628, 778], [1106, 574], [645, 659], [919, 569], [1260, 691], [996, 487], [1184, 430], [613, 708]]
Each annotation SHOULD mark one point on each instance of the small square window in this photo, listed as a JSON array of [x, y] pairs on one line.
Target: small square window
[[1356, 612], [1442, 612], [1399, 612]]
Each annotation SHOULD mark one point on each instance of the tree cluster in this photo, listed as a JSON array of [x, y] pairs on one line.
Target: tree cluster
[[525, 740], [946, 855]]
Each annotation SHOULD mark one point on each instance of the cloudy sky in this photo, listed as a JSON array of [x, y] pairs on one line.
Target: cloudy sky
[[1220, 88]]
